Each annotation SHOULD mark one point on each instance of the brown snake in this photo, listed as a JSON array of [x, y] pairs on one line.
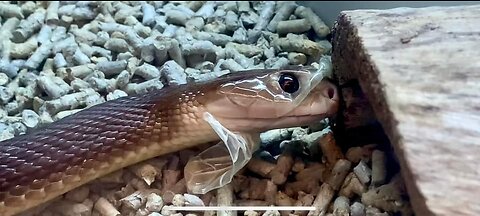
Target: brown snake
[[47, 162]]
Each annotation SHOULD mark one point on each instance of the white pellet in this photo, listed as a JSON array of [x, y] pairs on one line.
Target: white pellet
[[80, 57], [148, 14], [148, 71], [59, 61], [206, 10], [357, 209], [173, 73], [165, 211], [117, 93], [29, 26], [18, 128], [30, 118], [111, 67], [195, 24], [65, 113], [170, 31], [83, 13], [199, 47], [52, 13], [8, 69], [154, 203], [10, 10], [6, 134], [192, 200], [123, 79], [102, 38], [6, 94], [79, 84], [363, 172], [124, 56], [178, 200], [55, 87], [39, 55], [45, 34], [101, 84], [4, 79], [231, 65], [144, 87]]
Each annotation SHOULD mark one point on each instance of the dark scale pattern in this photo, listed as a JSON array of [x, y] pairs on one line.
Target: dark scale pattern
[[31, 161]]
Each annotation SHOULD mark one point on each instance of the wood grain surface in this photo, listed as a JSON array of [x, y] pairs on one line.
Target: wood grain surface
[[420, 70]]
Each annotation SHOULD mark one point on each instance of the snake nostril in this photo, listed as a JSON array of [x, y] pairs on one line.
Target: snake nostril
[[330, 93]]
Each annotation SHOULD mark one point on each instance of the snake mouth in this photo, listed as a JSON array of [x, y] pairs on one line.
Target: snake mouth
[[263, 124]]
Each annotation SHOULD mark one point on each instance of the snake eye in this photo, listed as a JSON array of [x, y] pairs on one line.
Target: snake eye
[[289, 83]]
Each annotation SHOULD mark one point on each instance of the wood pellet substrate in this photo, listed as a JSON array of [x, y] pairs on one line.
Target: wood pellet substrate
[[58, 58]]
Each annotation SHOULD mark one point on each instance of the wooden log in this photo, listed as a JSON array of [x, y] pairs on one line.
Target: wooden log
[[420, 70]]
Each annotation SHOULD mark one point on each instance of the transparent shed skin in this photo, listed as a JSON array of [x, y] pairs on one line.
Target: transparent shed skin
[[259, 104]]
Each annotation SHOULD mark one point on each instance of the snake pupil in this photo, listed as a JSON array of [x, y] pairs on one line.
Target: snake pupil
[[289, 83]]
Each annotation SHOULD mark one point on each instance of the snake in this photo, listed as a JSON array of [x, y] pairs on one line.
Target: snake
[[58, 157]]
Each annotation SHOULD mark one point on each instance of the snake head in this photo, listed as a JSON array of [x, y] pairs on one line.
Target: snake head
[[259, 101]]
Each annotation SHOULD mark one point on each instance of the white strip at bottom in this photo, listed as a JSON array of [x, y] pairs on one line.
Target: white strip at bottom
[[240, 208]]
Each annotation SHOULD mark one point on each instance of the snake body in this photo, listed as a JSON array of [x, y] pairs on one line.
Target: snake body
[[70, 152]]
